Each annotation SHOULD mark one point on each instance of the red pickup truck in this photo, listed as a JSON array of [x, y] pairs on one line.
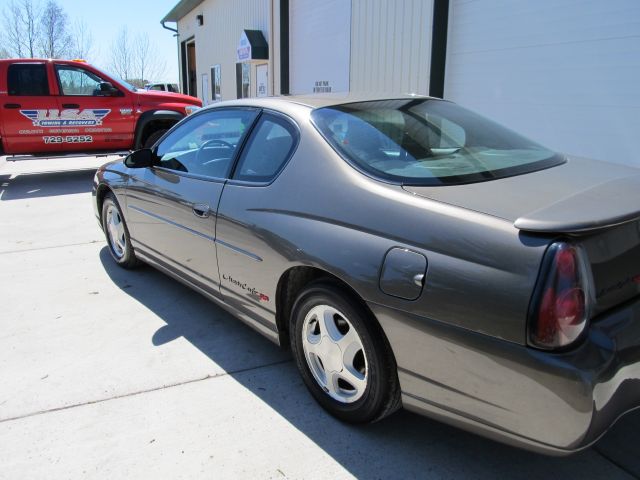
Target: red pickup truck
[[66, 106]]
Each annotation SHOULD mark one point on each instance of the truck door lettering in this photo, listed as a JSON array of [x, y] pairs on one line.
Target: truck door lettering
[[52, 118]]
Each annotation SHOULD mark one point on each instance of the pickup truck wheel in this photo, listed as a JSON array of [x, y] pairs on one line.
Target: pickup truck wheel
[[117, 233], [342, 355], [153, 138]]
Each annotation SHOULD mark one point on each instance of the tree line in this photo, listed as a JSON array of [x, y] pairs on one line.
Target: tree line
[[43, 29]]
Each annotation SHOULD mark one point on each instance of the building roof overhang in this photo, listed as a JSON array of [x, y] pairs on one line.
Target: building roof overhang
[[180, 10]]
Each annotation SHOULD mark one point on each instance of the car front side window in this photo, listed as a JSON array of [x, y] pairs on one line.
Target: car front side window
[[206, 144]]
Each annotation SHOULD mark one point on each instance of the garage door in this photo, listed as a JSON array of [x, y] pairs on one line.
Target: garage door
[[565, 73], [319, 46]]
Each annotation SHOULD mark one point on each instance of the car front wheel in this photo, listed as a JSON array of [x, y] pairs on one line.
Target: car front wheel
[[117, 233], [342, 355]]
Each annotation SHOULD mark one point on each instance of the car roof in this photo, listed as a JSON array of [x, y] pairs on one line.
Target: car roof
[[319, 100]]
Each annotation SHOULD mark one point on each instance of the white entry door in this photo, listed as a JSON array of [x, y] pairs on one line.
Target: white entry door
[[205, 89], [262, 79]]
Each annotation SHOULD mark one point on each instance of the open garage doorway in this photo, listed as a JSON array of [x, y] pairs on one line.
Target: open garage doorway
[[189, 79]]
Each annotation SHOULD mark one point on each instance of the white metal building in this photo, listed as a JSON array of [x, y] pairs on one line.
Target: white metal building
[[564, 72]]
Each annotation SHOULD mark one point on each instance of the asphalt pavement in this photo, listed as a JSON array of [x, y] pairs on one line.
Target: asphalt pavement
[[107, 373]]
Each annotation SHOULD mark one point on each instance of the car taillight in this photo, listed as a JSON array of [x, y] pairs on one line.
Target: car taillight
[[561, 306]]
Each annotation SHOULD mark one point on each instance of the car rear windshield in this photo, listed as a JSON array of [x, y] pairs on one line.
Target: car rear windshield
[[428, 142]]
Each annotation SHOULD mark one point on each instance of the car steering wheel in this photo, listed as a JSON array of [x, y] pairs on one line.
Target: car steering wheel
[[209, 143]]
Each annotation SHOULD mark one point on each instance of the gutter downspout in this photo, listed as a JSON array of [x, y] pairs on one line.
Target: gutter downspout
[[177, 35], [169, 28]]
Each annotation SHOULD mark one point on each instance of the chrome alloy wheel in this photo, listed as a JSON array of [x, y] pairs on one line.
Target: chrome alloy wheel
[[115, 230], [334, 354]]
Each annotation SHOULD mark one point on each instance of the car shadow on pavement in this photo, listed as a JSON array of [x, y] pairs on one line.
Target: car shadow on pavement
[[48, 184], [404, 445]]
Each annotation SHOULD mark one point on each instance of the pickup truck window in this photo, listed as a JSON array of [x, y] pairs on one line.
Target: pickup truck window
[[28, 79], [77, 81]]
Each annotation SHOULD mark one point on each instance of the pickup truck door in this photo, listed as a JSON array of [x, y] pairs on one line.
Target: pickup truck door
[[90, 118], [27, 102]]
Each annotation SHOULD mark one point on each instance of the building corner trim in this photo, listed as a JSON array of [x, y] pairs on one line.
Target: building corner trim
[[439, 47], [284, 47]]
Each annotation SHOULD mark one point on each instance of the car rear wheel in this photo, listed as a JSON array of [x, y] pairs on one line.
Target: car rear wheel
[[342, 355], [117, 233]]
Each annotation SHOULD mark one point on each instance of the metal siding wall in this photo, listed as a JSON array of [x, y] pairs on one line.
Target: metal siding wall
[[563, 72], [319, 50], [217, 39], [391, 46]]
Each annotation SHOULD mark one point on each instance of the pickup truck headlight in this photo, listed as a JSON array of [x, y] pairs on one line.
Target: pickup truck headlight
[[189, 109]]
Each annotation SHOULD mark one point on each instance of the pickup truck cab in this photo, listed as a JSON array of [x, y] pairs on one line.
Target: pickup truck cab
[[162, 87], [67, 106]]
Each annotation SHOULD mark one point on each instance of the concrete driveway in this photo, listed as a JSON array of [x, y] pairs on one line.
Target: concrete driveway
[[106, 373]]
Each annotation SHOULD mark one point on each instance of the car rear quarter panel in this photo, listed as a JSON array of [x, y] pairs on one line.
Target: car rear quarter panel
[[460, 347], [322, 212]]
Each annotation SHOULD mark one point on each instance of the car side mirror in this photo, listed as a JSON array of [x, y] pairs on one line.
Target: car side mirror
[[140, 159], [106, 89]]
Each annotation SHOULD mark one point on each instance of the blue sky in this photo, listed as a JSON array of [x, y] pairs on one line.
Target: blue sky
[[104, 20]]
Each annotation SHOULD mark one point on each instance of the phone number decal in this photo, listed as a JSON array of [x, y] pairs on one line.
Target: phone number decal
[[70, 139]]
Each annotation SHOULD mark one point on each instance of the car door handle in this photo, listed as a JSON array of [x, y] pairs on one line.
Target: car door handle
[[201, 210], [70, 105], [12, 105]]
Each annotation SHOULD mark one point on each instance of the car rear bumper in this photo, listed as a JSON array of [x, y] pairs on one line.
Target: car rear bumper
[[553, 403]]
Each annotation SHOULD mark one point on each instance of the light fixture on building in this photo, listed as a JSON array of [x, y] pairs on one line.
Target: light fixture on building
[[200, 19]]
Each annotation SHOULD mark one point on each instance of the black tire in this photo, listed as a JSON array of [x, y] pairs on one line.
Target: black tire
[[121, 250], [381, 395], [153, 138]]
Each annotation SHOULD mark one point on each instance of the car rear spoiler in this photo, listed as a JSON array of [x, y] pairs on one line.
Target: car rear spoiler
[[611, 203]]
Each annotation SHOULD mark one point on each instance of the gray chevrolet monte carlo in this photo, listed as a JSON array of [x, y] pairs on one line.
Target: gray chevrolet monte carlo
[[410, 252]]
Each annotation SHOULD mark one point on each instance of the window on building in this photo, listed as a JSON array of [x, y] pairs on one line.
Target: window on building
[[268, 150], [216, 82], [243, 79], [28, 79]]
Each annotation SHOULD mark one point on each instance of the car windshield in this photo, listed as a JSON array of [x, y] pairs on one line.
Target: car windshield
[[428, 142]]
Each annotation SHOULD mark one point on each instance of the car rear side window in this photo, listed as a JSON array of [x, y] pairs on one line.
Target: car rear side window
[[206, 143], [28, 79], [428, 142], [267, 151]]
